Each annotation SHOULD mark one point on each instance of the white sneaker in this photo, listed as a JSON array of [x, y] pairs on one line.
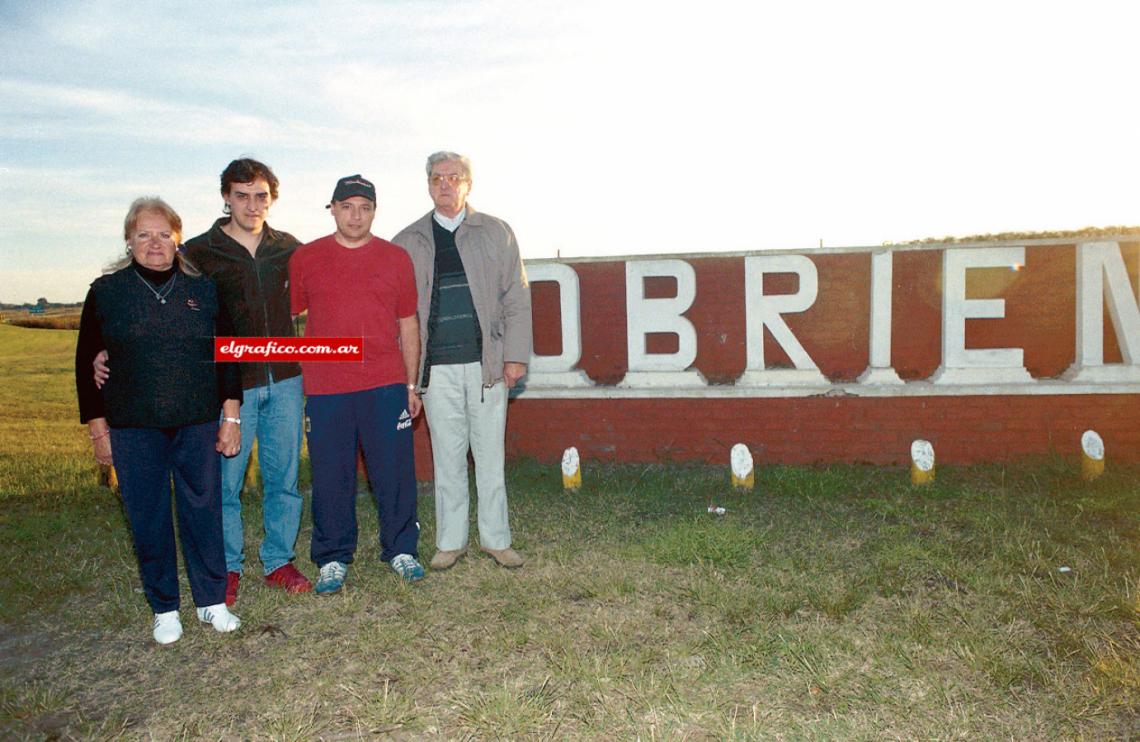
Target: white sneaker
[[219, 617], [167, 627]]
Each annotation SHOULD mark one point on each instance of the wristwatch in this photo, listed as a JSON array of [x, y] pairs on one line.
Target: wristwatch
[[232, 420], [412, 387]]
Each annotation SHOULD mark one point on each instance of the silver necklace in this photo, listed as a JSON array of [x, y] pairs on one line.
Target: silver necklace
[[166, 287]]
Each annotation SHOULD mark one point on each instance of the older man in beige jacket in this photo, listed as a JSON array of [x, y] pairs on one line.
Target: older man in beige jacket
[[475, 326]]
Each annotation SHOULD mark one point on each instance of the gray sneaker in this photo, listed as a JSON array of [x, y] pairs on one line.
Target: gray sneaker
[[331, 579], [407, 567]]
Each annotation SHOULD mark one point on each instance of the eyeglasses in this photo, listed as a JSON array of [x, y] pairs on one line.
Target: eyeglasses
[[163, 237], [454, 179]]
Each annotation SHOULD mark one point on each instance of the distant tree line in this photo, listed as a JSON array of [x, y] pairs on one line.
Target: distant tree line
[[1082, 234], [40, 303]]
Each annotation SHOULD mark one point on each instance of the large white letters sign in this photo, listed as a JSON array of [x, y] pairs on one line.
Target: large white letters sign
[[880, 371], [962, 365], [645, 316], [559, 370], [1103, 279], [901, 301], [761, 310]]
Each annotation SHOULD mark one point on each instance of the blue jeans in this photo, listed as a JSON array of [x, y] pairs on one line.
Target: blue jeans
[[146, 459], [272, 414]]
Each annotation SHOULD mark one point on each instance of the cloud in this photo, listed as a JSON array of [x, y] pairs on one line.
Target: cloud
[[45, 110], [595, 127]]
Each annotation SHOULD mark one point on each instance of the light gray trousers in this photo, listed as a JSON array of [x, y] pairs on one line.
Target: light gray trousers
[[462, 414]]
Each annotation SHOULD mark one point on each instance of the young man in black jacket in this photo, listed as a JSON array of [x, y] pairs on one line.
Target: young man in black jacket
[[249, 262]]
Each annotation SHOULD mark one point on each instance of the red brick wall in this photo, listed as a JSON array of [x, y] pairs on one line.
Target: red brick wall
[[1040, 317], [822, 429]]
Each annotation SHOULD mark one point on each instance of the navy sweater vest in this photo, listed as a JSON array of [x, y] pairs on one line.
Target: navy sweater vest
[[453, 327], [162, 355]]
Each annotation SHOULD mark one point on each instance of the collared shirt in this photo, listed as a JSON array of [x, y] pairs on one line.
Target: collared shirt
[[450, 223]]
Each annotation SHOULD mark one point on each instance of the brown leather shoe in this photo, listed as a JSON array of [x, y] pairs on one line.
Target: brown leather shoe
[[507, 557], [446, 559]]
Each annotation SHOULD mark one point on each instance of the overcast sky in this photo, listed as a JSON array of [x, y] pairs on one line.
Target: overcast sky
[[595, 128]]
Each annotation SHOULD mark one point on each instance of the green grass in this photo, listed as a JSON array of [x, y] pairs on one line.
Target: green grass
[[831, 602]]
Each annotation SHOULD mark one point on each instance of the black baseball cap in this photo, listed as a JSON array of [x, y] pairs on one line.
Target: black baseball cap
[[353, 185]]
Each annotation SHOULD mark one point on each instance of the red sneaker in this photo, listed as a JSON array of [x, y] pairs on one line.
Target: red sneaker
[[286, 576], [232, 580]]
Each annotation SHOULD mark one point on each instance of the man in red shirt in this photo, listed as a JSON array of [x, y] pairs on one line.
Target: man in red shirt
[[355, 285]]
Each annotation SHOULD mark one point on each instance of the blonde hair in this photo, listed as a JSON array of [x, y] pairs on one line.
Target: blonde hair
[[154, 205]]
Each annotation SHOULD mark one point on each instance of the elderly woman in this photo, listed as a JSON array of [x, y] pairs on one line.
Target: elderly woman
[[157, 417]]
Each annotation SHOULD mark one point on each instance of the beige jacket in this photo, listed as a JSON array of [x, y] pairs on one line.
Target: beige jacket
[[498, 284]]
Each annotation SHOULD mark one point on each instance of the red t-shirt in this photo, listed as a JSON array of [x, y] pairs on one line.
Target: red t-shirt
[[353, 292]]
